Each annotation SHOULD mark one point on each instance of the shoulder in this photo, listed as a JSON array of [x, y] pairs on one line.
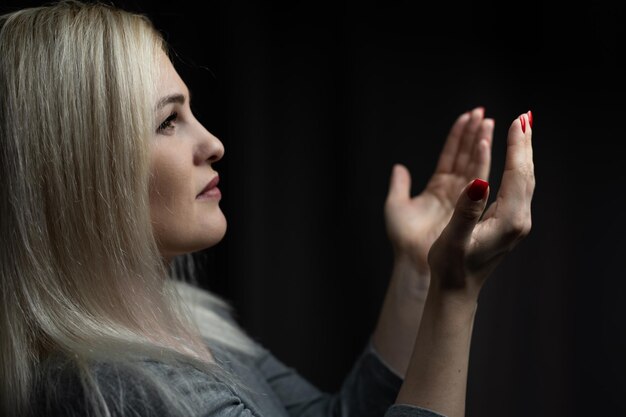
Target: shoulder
[[145, 388], [65, 389]]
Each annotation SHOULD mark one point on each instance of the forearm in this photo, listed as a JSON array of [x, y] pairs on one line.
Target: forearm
[[401, 313], [437, 375]]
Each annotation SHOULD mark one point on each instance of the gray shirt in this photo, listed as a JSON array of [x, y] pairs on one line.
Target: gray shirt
[[275, 390]]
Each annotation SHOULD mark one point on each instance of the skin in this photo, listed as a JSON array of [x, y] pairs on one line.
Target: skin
[[466, 252], [182, 155], [414, 222], [424, 328]]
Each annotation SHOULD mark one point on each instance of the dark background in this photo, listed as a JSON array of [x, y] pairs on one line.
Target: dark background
[[315, 101]]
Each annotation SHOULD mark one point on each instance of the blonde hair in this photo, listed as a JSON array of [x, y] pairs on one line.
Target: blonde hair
[[80, 272]]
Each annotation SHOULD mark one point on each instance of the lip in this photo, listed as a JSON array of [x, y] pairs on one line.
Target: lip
[[212, 184]]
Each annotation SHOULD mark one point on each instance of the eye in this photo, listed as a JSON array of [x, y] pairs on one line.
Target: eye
[[167, 123]]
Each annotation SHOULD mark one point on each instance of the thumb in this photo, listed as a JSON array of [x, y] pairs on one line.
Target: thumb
[[399, 184], [469, 208]]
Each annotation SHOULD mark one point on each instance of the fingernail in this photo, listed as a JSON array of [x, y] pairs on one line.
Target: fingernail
[[477, 190], [530, 118], [523, 122]]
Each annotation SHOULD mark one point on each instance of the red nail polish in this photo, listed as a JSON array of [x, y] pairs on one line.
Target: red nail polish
[[477, 190], [523, 122], [530, 118]]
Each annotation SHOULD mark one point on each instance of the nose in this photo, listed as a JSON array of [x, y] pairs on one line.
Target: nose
[[209, 148]]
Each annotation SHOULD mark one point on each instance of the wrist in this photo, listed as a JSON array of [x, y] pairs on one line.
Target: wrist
[[453, 305], [409, 280]]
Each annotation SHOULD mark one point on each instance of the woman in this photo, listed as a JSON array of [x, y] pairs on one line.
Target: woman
[[107, 182]]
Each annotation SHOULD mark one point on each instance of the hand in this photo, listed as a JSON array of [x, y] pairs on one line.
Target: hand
[[469, 248], [413, 224]]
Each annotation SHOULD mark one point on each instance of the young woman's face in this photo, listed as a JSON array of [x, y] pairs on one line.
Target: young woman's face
[[181, 157]]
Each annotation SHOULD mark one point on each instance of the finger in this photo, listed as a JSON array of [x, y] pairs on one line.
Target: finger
[[399, 184], [450, 148], [518, 180], [529, 131], [469, 207], [480, 162], [468, 139], [508, 219], [485, 131]]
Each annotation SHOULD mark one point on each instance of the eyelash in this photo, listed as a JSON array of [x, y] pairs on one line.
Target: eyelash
[[167, 123]]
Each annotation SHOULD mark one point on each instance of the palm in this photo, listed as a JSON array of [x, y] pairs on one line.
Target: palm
[[479, 239], [510, 211], [413, 224]]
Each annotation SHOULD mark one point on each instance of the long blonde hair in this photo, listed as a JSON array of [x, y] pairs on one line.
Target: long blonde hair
[[80, 272]]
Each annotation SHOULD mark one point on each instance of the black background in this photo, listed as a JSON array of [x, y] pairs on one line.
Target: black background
[[315, 101]]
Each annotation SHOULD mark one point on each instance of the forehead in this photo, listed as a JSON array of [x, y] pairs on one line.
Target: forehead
[[169, 80]]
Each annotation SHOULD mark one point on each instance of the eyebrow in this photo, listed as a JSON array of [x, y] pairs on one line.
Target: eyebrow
[[172, 98]]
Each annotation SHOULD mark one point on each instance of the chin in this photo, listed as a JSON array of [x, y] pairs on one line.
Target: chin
[[216, 231], [217, 238]]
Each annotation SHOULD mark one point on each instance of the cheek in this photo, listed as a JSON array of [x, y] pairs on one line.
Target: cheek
[[171, 193], [180, 223]]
